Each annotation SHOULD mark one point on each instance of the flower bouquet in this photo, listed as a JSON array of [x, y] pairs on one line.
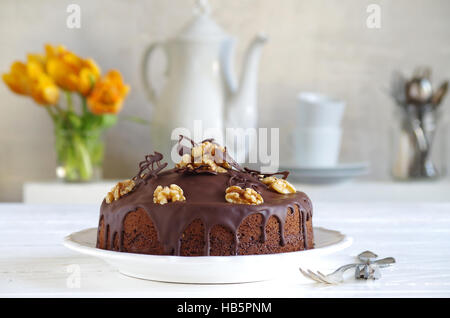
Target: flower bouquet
[[81, 102]]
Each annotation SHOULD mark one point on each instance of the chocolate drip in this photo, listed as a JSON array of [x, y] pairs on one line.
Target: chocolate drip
[[304, 218], [207, 242]]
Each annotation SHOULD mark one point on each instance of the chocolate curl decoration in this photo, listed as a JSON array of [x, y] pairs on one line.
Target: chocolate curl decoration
[[248, 178], [239, 176], [258, 174], [182, 150], [149, 165], [244, 180]]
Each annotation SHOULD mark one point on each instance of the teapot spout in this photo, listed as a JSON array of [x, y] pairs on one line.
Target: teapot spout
[[242, 102]]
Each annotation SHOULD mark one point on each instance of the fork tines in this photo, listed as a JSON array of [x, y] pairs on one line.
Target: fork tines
[[317, 277]]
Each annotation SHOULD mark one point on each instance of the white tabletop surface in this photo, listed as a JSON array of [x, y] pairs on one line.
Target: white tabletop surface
[[34, 263]]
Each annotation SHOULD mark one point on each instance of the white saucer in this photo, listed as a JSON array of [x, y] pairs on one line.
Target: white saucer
[[321, 175], [209, 269]]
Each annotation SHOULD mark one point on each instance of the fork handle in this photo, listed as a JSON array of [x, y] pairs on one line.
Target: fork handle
[[344, 268], [367, 256], [384, 262]]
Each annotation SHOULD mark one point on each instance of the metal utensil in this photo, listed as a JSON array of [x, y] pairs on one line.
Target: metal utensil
[[371, 267], [419, 94], [367, 256], [371, 257], [418, 109], [438, 96], [337, 276], [397, 89], [367, 271], [418, 91]]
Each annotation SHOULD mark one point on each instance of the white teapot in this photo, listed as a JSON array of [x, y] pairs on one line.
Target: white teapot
[[201, 87]]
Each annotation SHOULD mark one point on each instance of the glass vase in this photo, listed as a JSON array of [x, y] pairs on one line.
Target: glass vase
[[79, 154]]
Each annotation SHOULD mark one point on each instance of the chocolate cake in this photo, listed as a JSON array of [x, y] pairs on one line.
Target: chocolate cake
[[206, 205]]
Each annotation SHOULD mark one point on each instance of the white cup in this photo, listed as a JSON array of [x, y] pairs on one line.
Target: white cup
[[317, 139], [316, 147], [316, 110]]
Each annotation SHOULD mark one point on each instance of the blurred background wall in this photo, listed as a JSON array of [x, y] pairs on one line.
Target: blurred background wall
[[320, 45]]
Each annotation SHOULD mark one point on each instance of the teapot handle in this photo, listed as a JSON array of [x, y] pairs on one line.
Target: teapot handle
[[148, 86]]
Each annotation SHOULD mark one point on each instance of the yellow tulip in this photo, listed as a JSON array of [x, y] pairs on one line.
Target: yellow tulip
[[53, 51], [108, 94], [29, 79], [44, 91], [70, 71], [89, 74], [35, 65], [17, 79]]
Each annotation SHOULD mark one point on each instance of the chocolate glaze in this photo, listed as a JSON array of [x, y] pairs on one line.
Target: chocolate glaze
[[205, 200]]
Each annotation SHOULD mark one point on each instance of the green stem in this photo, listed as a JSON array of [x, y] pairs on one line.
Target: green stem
[[136, 119], [59, 110], [84, 159], [69, 101], [50, 112], [84, 104]]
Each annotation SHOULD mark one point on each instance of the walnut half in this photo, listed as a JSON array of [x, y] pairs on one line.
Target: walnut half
[[205, 154], [163, 195], [119, 190], [279, 185], [237, 195]]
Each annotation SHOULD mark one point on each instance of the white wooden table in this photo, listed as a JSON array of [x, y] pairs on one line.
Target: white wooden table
[[34, 263]]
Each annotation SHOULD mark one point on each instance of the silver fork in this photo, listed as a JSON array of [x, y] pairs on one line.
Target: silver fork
[[334, 278], [338, 275]]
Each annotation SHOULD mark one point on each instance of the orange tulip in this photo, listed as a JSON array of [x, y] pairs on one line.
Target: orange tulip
[[29, 79], [35, 65], [108, 94], [70, 71], [89, 74], [17, 79], [44, 91]]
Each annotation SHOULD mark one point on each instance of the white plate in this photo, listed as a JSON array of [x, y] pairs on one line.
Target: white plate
[[338, 173], [208, 269]]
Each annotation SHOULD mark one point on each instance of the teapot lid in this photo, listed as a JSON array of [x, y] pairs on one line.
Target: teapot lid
[[202, 27]]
